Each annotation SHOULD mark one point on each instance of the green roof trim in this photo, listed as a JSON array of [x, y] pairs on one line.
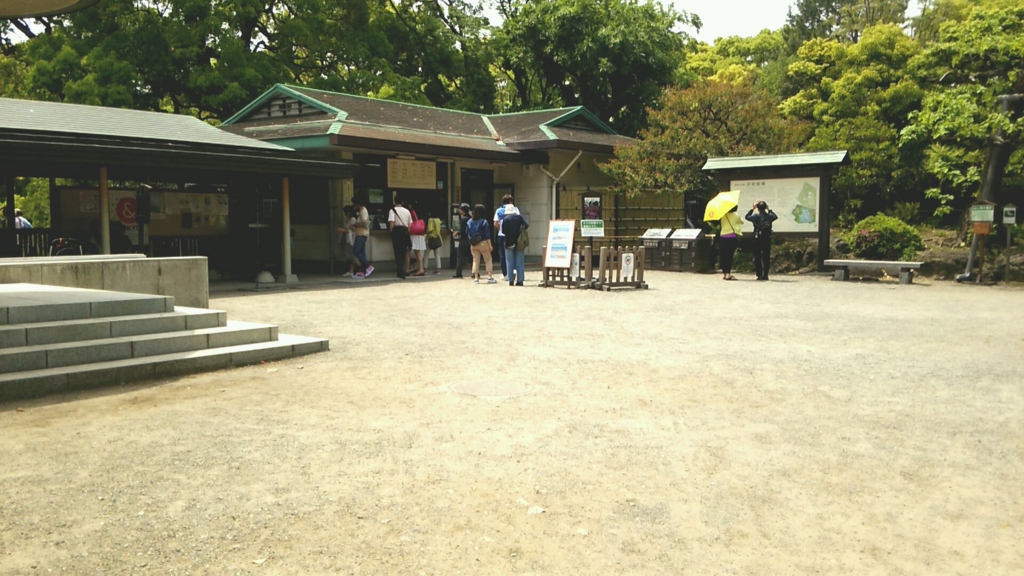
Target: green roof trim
[[339, 121], [547, 132], [826, 158], [541, 111], [302, 142], [274, 90], [494, 133], [379, 99], [578, 111]]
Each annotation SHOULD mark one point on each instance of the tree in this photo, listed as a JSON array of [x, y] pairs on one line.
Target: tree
[[612, 56], [764, 58], [858, 97], [966, 69], [709, 118], [840, 19]]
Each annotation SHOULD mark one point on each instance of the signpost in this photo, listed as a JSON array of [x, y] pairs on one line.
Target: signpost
[[592, 228], [1009, 221], [983, 214]]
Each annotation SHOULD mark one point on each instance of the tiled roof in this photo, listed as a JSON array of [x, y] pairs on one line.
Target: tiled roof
[[83, 120], [831, 157], [360, 117]]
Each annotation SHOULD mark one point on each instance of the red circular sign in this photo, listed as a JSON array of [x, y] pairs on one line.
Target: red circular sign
[[125, 210]]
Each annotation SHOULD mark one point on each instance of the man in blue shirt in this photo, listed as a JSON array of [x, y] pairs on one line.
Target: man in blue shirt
[[499, 215]]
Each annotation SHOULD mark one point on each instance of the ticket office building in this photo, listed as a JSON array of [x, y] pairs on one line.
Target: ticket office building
[[432, 157]]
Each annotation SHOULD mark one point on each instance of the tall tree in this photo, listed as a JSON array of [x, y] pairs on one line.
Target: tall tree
[[709, 118], [612, 56], [858, 97], [764, 58], [839, 19], [966, 69]]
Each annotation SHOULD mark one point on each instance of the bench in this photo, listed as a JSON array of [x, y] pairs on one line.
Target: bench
[[842, 268]]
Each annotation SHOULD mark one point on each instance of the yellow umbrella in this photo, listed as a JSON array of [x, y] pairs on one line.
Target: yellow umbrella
[[721, 204]]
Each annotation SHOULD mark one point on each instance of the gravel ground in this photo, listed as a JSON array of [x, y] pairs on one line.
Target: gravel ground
[[795, 427]]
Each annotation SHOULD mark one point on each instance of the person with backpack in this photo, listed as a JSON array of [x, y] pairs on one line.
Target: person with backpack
[[516, 240], [499, 215], [434, 241], [479, 231], [461, 237], [762, 217]]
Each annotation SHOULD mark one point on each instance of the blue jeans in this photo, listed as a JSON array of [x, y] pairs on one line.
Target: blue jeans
[[502, 257], [516, 264], [359, 252]]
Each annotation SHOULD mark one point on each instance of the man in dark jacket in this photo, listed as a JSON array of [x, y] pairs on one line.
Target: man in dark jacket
[[762, 217], [462, 237]]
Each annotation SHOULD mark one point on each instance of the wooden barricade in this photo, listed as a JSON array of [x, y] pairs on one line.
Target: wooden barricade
[[564, 277], [610, 273]]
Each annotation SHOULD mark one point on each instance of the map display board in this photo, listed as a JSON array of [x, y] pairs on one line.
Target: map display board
[[414, 174], [794, 200]]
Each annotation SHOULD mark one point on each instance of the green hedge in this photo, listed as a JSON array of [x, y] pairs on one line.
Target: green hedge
[[883, 237]]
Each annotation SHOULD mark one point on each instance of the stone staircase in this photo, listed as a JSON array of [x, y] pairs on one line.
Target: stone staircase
[[55, 339]]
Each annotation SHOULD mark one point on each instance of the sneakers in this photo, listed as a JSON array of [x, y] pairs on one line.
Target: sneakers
[[347, 275], [476, 280], [437, 272], [491, 280], [359, 275], [504, 278], [369, 270]]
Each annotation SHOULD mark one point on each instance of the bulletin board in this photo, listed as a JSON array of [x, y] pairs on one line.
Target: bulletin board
[[172, 213]]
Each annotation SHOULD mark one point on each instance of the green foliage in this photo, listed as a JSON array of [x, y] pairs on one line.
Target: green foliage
[[858, 97], [762, 58], [710, 118], [882, 237], [612, 56], [33, 197], [973, 62]]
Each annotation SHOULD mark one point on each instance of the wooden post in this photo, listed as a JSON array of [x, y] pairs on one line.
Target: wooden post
[[104, 212], [286, 236]]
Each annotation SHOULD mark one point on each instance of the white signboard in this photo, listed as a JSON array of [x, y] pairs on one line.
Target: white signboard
[[559, 248], [627, 265], [411, 174], [657, 233], [592, 228], [574, 270], [796, 201], [686, 234]]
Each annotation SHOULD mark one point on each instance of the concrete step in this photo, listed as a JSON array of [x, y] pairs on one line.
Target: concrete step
[[35, 383], [66, 354], [38, 333], [31, 303]]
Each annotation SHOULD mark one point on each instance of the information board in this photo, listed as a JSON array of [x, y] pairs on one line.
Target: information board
[[415, 174], [559, 247], [592, 228], [686, 234], [794, 200], [657, 233]]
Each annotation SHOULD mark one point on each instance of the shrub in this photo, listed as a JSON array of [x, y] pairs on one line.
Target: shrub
[[883, 237]]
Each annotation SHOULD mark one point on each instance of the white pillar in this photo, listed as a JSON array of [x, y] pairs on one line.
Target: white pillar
[[286, 231], [104, 212]]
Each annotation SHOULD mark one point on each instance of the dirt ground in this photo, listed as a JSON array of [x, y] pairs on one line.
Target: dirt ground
[[799, 426]]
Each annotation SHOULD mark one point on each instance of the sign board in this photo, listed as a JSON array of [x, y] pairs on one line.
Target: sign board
[[627, 265], [415, 174], [686, 234], [794, 200], [983, 213], [574, 270], [1010, 215], [592, 228], [591, 208], [657, 233], [559, 247]]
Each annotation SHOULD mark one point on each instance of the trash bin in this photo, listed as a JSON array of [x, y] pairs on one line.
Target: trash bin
[[688, 250], [655, 244]]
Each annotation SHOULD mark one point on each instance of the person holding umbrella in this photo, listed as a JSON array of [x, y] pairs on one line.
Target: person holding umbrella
[[723, 209]]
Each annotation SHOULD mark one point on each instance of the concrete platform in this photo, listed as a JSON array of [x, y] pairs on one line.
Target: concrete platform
[[55, 339]]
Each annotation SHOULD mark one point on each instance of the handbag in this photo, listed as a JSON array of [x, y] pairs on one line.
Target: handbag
[[434, 242], [419, 227]]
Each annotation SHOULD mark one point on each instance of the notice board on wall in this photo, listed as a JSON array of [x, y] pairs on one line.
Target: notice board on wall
[[414, 174], [172, 213]]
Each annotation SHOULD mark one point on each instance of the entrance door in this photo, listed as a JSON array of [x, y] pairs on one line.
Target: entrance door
[[478, 188]]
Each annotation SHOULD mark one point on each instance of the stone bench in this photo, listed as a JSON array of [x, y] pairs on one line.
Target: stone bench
[[842, 268]]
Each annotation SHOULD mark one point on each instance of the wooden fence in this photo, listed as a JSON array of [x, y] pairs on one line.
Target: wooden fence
[[33, 241], [612, 273]]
